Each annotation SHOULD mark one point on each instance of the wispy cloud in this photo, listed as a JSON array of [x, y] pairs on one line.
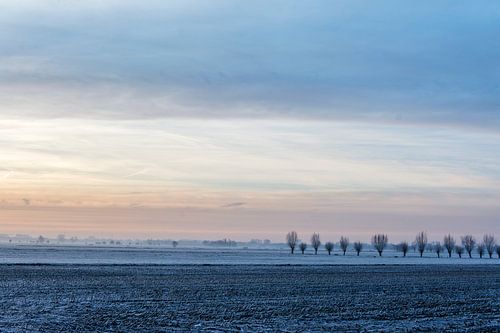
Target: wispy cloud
[[233, 204], [385, 62], [137, 173]]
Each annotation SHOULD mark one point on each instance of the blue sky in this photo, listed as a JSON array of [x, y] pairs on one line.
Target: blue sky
[[336, 108]]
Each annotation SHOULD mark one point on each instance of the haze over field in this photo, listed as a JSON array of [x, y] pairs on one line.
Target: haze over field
[[187, 119]]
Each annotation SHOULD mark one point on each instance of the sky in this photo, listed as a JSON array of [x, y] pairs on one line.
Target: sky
[[194, 119]]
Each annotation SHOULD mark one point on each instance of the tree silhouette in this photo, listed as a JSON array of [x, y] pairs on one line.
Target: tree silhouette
[[329, 247], [489, 244], [468, 242], [421, 241], [291, 240], [480, 250], [344, 243], [315, 242], [449, 244], [379, 242], [358, 246], [302, 247], [438, 248], [404, 247]]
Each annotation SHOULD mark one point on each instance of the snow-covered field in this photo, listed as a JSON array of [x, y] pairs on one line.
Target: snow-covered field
[[230, 256], [240, 298], [80, 289]]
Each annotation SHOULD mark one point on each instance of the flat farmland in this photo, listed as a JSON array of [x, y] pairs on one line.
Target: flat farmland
[[236, 298]]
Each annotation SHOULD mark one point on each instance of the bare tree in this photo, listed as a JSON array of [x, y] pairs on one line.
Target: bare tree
[[303, 247], [344, 243], [449, 244], [438, 248], [468, 242], [459, 250], [421, 241], [291, 240], [174, 244], [358, 246], [379, 242], [329, 247], [315, 242], [498, 251], [480, 250], [489, 243], [403, 247]]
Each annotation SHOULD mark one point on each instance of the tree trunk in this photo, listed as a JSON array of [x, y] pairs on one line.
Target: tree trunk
[[380, 253]]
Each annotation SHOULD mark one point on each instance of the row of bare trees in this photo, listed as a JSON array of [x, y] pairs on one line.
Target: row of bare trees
[[292, 240], [380, 242], [468, 244]]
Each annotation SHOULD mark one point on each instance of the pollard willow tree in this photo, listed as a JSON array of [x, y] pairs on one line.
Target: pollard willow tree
[[480, 250], [344, 243], [291, 240], [489, 244], [468, 242], [404, 247], [379, 242], [438, 248], [421, 241], [449, 244], [459, 250], [315, 242], [358, 246], [302, 247], [329, 247]]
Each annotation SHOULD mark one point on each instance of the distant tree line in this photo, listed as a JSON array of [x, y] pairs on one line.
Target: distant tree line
[[421, 244]]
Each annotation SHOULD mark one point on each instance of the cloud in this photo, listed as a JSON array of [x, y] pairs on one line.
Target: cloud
[[233, 204], [384, 62], [136, 173]]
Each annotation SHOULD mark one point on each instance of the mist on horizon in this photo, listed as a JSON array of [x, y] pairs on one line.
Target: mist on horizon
[[247, 120]]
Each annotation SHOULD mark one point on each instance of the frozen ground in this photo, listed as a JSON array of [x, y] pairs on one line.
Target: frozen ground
[[235, 298], [231, 256]]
